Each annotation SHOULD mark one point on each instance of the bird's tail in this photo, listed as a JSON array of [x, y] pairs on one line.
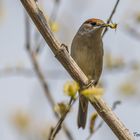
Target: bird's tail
[[82, 113]]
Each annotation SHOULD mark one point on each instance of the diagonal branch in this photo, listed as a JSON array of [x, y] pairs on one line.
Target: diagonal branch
[[115, 104], [66, 60]]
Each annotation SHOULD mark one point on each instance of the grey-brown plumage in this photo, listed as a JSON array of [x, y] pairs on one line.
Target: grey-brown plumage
[[87, 51]]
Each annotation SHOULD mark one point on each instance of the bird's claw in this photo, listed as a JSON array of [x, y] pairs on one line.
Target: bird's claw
[[66, 47], [90, 84], [62, 48]]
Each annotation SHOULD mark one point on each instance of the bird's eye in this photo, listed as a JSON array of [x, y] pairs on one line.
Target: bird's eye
[[93, 23]]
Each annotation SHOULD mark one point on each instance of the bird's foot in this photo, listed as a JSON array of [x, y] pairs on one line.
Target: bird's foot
[[90, 84], [64, 46]]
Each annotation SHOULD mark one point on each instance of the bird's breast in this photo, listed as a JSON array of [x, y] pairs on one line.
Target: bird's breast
[[87, 53]]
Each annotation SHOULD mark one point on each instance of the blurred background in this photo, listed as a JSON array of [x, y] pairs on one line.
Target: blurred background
[[25, 111]]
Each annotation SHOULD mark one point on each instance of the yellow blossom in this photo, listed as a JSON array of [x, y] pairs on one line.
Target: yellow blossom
[[92, 121], [92, 92], [71, 88], [113, 25], [61, 108], [54, 26]]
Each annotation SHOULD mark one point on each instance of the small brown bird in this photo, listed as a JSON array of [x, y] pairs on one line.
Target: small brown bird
[[87, 51]]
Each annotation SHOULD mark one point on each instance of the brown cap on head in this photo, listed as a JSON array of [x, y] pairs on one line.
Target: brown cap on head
[[94, 21]]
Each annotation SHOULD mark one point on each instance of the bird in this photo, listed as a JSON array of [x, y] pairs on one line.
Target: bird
[[87, 51]]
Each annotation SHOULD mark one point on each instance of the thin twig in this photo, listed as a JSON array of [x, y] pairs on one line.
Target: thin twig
[[41, 76], [35, 61], [74, 70], [114, 106], [58, 126], [47, 92], [110, 17]]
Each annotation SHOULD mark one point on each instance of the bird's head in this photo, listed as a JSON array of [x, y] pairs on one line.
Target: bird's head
[[92, 26]]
